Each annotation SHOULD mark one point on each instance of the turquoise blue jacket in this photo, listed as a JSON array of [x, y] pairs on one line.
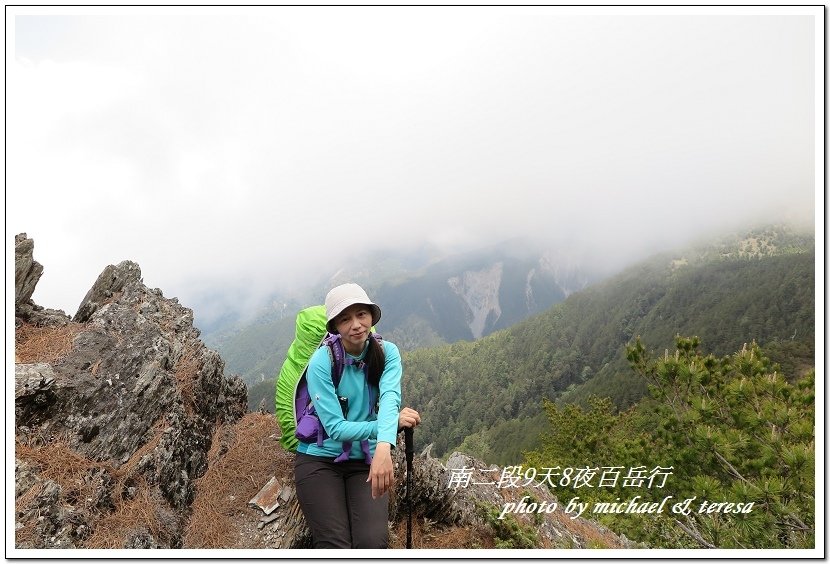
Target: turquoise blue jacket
[[358, 423]]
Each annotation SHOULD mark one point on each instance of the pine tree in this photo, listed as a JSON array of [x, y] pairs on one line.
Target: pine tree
[[728, 430]]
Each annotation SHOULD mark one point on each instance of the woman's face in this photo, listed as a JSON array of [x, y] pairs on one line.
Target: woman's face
[[353, 324]]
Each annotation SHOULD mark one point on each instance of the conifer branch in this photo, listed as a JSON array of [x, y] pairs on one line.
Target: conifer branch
[[731, 468], [692, 532]]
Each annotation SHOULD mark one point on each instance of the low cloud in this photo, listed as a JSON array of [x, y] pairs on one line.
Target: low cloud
[[304, 137]]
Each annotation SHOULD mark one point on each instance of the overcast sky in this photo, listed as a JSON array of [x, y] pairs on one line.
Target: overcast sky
[[213, 146]]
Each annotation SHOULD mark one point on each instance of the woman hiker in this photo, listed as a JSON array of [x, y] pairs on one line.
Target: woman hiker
[[343, 492]]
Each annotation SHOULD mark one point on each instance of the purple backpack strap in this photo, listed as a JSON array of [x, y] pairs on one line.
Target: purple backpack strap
[[310, 428], [364, 444], [337, 355], [339, 361]]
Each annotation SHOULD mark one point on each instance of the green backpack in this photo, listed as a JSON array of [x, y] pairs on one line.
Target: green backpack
[[295, 410], [309, 333]]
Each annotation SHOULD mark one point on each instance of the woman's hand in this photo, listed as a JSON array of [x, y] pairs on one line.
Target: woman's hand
[[382, 471], [408, 417]]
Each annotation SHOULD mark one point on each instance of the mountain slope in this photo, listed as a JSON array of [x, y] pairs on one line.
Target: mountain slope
[[473, 295], [494, 386], [462, 297], [127, 436]]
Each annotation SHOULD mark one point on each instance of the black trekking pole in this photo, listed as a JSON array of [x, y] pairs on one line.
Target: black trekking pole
[[409, 450]]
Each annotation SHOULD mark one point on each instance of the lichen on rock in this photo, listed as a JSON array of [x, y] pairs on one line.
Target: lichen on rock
[[137, 395]]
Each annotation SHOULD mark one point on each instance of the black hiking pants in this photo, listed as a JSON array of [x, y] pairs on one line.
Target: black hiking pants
[[337, 503]]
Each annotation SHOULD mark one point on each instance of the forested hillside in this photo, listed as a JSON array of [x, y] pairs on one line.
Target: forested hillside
[[427, 303], [490, 392], [721, 454], [254, 350]]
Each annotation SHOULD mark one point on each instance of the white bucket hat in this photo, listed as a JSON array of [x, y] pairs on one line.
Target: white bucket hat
[[343, 296]]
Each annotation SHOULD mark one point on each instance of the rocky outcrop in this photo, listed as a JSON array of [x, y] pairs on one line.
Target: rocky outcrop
[[518, 512], [128, 435], [111, 281], [131, 405], [27, 273], [493, 506]]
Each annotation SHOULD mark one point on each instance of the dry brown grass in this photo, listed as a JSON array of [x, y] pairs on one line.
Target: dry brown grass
[[250, 459], [59, 463], [44, 344], [186, 370], [55, 460], [140, 512], [26, 534], [426, 534], [592, 536], [137, 514]]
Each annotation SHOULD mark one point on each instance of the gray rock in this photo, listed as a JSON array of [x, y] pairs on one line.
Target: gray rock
[[134, 407], [442, 494], [138, 398], [27, 271], [32, 379], [113, 279]]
